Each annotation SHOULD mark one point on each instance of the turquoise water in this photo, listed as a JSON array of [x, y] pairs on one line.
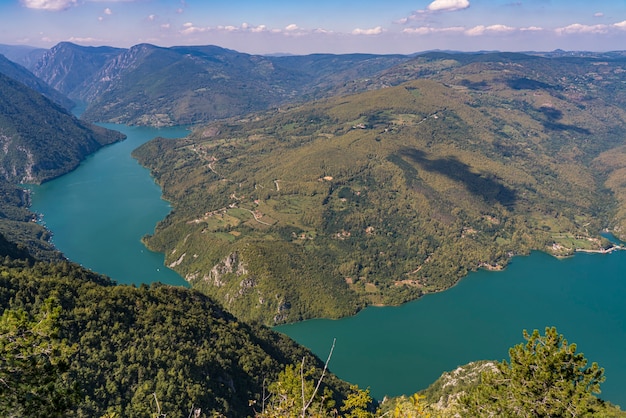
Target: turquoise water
[[399, 350], [99, 212]]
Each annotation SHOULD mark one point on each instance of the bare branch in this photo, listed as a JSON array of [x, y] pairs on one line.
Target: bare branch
[[319, 382]]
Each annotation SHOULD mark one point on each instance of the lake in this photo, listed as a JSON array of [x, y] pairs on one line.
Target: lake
[[99, 212]]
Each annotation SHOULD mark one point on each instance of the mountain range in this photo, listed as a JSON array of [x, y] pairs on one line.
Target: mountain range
[[151, 85]]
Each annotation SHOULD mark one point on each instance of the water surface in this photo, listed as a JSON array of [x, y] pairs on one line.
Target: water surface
[[400, 350], [99, 212]]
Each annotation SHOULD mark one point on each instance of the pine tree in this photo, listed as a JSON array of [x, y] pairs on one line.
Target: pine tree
[[545, 377]]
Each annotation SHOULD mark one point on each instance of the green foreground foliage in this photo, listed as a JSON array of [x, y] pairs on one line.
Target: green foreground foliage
[[34, 364], [545, 377], [74, 344]]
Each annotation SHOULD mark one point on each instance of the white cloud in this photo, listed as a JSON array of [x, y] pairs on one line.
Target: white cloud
[[291, 28], [620, 25], [190, 29], [434, 7], [531, 29], [500, 28], [152, 18], [416, 15], [598, 14], [108, 11], [448, 5], [482, 30], [260, 28], [78, 40], [576, 28], [51, 5], [373, 31]]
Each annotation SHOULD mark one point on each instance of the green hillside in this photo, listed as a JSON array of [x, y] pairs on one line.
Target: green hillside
[[379, 197]]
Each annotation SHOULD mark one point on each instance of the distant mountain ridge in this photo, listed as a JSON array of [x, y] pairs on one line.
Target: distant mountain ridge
[[23, 55], [24, 76], [151, 85], [67, 66]]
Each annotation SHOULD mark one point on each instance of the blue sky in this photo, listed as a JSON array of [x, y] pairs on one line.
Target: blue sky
[[336, 26]]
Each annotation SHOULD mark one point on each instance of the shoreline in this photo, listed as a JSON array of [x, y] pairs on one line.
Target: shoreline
[[602, 251]]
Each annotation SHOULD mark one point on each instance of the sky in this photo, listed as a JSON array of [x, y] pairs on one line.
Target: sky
[[321, 26]]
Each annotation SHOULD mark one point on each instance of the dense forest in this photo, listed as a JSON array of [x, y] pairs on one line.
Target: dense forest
[[112, 347]]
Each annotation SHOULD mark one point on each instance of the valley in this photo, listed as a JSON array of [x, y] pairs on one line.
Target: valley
[[309, 187]]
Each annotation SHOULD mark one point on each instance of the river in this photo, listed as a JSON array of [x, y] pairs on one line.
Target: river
[[99, 212]]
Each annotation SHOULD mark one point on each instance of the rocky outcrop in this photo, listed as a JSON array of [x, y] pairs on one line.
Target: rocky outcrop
[[229, 265]]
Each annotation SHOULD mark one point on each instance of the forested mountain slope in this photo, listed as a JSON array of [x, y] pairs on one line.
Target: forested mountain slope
[[40, 140], [378, 197]]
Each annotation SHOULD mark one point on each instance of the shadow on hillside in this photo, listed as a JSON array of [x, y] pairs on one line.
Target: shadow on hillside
[[483, 186], [475, 85], [553, 115], [523, 83]]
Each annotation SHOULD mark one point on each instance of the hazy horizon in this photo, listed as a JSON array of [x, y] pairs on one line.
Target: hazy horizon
[[323, 26]]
